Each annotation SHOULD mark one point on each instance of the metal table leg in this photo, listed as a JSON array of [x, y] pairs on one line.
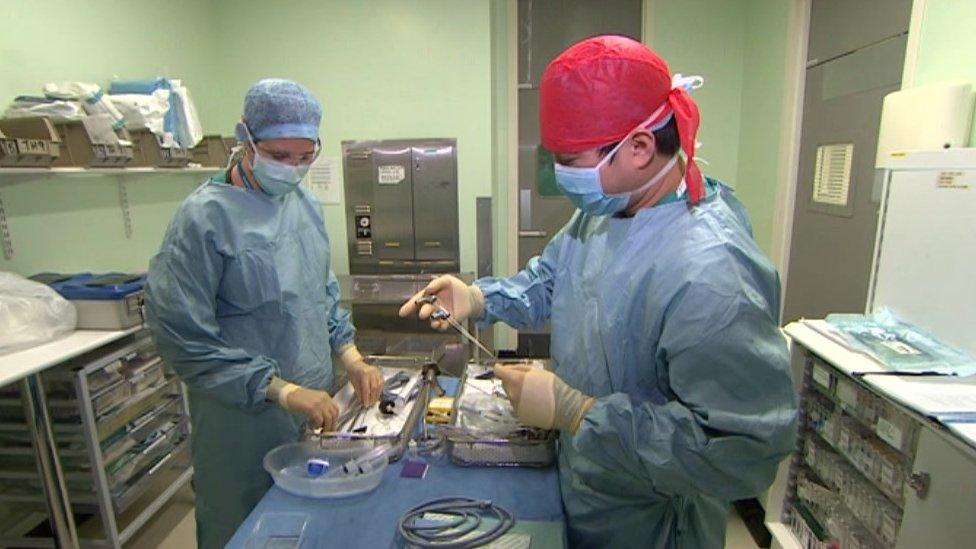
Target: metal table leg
[[48, 463]]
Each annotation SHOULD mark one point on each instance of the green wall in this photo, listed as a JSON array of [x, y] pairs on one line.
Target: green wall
[[500, 107], [706, 37], [763, 86], [382, 69], [946, 42], [739, 46]]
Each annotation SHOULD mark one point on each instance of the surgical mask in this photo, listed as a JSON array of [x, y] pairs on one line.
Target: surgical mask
[[583, 187], [276, 178]]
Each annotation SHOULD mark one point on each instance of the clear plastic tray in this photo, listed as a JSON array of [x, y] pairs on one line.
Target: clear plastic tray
[[278, 531], [145, 375], [111, 398], [287, 466], [144, 454]]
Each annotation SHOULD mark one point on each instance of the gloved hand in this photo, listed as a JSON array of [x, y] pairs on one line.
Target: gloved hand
[[543, 400], [316, 405], [366, 380], [461, 300]]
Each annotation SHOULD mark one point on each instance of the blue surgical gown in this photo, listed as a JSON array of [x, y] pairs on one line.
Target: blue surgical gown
[[670, 320], [241, 290]]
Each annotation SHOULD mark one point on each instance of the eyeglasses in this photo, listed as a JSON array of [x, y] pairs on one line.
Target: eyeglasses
[[287, 157]]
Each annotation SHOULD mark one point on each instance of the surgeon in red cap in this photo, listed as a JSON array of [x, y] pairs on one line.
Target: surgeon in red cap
[[670, 385]]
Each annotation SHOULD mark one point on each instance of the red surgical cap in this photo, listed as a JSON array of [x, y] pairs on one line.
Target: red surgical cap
[[599, 90]]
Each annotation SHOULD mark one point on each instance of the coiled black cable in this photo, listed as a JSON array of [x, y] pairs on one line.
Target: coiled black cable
[[466, 515]]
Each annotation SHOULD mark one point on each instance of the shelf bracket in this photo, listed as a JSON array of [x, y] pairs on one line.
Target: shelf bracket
[[7, 241], [124, 204]]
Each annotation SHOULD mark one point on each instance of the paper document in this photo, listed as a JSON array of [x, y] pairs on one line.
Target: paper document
[[934, 398], [322, 180]]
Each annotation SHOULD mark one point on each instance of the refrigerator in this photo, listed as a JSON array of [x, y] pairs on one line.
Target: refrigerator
[[924, 264]]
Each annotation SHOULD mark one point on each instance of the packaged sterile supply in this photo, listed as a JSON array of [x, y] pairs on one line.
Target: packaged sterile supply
[[90, 96], [31, 313]]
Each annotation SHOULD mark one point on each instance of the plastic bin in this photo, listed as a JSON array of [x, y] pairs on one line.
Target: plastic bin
[[287, 466], [92, 143], [111, 301], [28, 143], [278, 531], [107, 400], [149, 152], [212, 152]]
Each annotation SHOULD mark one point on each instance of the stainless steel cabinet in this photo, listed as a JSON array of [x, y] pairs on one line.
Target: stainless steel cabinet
[[401, 206]]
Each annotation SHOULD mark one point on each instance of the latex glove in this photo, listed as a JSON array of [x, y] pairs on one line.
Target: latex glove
[[366, 380], [543, 400], [461, 300], [316, 405]]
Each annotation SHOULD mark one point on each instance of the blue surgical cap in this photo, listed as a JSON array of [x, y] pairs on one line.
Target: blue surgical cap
[[275, 108]]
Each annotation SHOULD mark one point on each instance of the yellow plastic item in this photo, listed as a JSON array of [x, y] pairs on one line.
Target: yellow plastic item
[[439, 410]]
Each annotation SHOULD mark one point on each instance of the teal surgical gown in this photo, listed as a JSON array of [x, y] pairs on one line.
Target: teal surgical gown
[[242, 290], [670, 320]]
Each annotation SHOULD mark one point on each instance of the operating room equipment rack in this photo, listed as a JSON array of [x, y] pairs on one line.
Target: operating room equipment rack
[[121, 426], [867, 471]]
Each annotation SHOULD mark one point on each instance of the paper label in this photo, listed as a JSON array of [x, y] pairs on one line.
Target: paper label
[[821, 376], [847, 393], [901, 347], [844, 441], [951, 180], [888, 432], [887, 474], [390, 175]]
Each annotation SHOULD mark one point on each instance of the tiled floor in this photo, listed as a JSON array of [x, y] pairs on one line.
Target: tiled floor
[[174, 528]]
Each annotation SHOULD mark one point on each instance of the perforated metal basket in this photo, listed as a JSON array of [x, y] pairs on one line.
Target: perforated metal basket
[[532, 448]]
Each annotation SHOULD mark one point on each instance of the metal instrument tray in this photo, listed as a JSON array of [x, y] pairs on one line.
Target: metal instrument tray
[[526, 447], [400, 440]]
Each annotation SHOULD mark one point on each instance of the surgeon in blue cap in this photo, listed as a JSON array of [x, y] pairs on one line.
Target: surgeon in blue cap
[[243, 305]]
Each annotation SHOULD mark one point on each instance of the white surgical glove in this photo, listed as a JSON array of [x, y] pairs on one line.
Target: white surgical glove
[[543, 400], [366, 380], [316, 405], [459, 299]]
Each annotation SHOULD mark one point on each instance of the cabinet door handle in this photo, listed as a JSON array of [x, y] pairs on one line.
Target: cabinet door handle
[[533, 234], [919, 481]]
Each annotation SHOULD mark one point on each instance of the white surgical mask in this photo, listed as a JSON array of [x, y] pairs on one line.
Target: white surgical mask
[[276, 178]]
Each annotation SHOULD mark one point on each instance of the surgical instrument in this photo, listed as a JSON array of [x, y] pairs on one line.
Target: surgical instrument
[[443, 314], [363, 464]]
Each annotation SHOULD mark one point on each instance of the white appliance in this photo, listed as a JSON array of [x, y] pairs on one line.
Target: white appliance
[[924, 266], [927, 117]]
